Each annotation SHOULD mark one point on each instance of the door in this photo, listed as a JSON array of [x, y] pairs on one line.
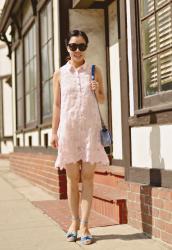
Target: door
[[102, 27]]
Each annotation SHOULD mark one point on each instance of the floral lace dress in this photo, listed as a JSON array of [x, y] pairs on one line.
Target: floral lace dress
[[80, 124]]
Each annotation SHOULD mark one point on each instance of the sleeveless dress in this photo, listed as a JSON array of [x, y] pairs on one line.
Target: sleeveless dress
[[80, 124]]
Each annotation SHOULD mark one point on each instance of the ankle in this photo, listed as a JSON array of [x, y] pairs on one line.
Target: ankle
[[83, 224], [75, 218]]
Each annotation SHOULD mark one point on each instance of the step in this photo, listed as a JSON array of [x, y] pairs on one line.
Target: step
[[110, 202], [112, 176], [58, 210], [112, 169], [39, 169]]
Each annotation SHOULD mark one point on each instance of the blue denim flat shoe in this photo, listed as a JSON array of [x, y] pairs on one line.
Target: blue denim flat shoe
[[86, 240], [71, 236]]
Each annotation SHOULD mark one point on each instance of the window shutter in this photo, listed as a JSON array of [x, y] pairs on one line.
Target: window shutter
[[156, 29], [164, 18]]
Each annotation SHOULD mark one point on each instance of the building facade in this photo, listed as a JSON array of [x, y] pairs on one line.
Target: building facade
[[131, 41], [6, 122]]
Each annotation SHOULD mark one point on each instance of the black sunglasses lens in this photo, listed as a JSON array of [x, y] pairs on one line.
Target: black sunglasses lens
[[74, 46], [82, 47]]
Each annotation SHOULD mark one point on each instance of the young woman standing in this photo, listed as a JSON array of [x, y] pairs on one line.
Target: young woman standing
[[76, 128]]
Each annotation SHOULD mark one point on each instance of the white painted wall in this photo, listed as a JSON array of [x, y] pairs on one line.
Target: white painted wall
[[92, 22], [130, 66], [151, 147], [2, 4], [7, 147], [115, 82], [5, 63], [7, 109], [35, 138]]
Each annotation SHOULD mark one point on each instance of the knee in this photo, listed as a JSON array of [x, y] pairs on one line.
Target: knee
[[73, 179], [87, 176]]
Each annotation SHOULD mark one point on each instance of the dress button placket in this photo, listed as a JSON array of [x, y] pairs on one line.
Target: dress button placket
[[80, 100]]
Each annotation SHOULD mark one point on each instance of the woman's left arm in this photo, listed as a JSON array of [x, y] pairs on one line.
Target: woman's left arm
[[97, 86]]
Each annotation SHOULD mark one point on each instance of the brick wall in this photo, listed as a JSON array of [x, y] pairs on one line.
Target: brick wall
[[39, 168], [150, 210]]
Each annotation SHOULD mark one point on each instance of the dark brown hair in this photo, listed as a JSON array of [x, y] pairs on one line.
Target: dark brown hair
[[76, 33]]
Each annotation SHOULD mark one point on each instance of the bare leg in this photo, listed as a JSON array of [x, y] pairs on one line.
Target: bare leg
[[87, 176], [73, 174]]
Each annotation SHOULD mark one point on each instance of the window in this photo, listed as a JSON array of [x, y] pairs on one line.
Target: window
[[47, 67], [156, 46], [30, 75], [19, 87]]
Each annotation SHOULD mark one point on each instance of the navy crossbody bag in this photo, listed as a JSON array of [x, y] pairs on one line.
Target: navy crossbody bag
[[105, 134]]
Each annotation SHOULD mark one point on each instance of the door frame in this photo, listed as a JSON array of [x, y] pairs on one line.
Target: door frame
[[65, 5]]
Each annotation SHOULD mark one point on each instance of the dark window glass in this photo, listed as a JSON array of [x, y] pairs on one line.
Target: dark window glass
[[19, 86], [30, 75], [47, 66]]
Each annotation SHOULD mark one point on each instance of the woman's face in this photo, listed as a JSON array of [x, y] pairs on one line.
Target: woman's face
[[77, 55]]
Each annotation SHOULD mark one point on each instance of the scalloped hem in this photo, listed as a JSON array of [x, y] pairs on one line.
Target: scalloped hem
[[98, 164]]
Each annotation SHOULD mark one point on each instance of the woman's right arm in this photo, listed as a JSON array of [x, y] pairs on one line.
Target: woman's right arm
[[56, 109]]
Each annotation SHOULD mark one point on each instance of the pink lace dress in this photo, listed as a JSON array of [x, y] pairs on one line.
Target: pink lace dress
[[79, 127]]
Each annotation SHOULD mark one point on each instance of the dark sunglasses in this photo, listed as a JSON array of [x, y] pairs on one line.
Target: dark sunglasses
[[80, 46]]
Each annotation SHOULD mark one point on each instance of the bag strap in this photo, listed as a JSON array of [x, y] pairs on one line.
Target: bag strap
[[93, 78]]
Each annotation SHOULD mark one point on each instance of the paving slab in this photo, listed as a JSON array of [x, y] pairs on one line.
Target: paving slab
[[7, 192]]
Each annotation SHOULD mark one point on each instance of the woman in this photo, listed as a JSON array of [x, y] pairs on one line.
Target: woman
[[76, 128]]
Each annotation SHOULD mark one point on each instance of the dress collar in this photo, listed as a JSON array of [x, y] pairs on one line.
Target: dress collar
[[71, 67]]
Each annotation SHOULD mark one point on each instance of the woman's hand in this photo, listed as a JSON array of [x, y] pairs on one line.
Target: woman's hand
[[54, 141], [94, 85], [97, 86]]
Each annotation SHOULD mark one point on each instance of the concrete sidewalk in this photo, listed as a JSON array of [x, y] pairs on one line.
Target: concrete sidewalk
[[25, 227]]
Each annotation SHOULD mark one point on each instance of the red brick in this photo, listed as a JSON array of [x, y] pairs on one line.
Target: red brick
[[147, 228], [168, 205], [106, 179], [133, 206], [146, 190], [156, 232], [165, 215], [155, 192], [160, 224], [155, 212], [140, 198], [168, 228], [132, 196], [145, 209], [132, 214], [165, 194], [166, 237], [147, 219], [148, 200], [138, 217], [135, 187], [157, 203]]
